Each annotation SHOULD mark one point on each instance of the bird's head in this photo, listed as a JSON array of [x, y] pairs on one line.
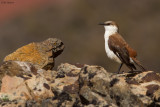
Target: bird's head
[[110, 26]]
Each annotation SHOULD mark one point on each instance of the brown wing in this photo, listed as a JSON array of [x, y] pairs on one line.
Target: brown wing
[[132, 52], [118, 45]]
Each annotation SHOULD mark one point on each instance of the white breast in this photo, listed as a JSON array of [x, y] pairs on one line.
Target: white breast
[[110, 53]]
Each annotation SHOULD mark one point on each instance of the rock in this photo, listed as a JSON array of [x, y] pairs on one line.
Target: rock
[[156, 95], [41, 54], [94, 81], [66, 86], [76, 86], [25, 84], [17, 68]]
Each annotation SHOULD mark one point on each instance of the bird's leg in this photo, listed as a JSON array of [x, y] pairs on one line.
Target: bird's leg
[[120, 68]]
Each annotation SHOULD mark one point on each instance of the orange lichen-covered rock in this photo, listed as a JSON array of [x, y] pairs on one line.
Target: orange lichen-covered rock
[[27, 53], [41, 54]]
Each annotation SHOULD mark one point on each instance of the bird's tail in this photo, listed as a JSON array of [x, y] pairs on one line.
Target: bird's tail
[[138, 64]]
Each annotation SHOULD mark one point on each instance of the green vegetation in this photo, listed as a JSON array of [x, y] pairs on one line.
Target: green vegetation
[[4, 98]]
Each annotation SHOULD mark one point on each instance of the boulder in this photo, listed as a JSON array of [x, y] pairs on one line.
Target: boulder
[[40, 54]]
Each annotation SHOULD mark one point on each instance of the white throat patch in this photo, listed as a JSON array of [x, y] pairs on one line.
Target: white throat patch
[[109, 30]]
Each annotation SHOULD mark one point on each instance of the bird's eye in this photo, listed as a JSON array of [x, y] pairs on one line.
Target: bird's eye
[[108, 24]]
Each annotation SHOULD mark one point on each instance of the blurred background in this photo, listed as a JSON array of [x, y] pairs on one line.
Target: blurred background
[[75, 22]]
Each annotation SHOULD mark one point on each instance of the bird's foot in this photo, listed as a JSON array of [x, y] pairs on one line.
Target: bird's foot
[[134, 71], [118, 72]]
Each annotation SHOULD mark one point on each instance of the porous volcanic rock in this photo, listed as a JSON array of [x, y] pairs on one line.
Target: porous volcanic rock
[[77, 86]]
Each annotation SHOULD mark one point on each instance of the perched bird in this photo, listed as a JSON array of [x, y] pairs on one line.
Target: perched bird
[[118, 49]]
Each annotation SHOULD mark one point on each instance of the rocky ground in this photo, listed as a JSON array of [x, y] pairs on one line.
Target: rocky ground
[[27, 84]]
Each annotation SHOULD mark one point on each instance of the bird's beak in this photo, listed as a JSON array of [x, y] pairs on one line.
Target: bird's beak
[[101, 24]]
